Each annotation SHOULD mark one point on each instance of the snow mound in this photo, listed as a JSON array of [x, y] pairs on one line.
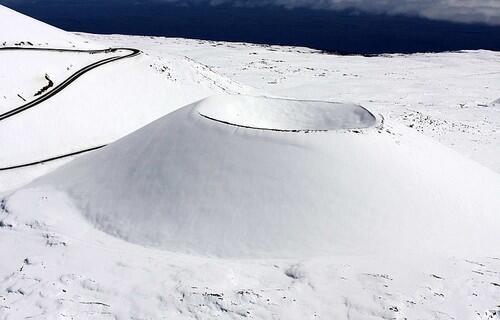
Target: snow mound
[[285, 115], [496, 102], [190, 184], [19, 29]]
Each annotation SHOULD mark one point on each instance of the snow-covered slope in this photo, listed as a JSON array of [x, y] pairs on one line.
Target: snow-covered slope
[[60, 266], [17, 29], [209, 179], [25, 73], [99, 107], [56, 264], [442, 95], [102, 106]]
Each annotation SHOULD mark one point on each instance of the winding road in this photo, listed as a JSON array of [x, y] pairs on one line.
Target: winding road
[[70, 79], [58, 88]]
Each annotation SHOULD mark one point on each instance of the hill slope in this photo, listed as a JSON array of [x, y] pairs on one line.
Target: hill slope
[[405, 190], [21, 30], [242, 176], [102, 105]]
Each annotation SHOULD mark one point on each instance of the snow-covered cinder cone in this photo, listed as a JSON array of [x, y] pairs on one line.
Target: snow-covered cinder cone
[[239, 176]]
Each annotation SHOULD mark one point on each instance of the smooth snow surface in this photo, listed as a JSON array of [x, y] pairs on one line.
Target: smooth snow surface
[[397, 186], [285, 115], [18, 29], [187, 183], [57, 266]]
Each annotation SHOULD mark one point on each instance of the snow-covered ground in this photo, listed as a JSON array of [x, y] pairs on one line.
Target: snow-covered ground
[[63, 238], [75, 272]]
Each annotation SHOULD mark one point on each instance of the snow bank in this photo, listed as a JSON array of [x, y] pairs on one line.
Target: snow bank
[[191, 184], [18, 29]]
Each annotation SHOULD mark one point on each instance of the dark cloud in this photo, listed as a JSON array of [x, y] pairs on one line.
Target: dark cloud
[[467, 11]]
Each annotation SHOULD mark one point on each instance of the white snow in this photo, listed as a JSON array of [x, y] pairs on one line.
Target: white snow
[[191, 184], [23, 73], [99, 107], [59, 266], [440, 95], [404, 191], [282, 114], [17, 29]]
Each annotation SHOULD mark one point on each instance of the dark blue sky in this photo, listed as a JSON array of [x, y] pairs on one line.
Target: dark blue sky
[[344, 31]]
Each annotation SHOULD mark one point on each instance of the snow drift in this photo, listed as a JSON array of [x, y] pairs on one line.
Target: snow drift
[[202, 180]]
